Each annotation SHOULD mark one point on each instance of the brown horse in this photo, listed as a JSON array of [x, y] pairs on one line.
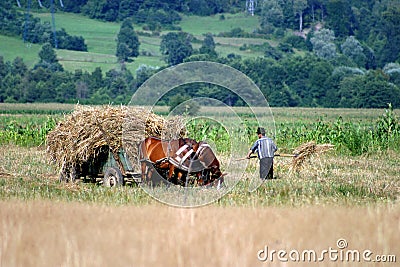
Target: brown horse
[[206, 166], [173, 155]]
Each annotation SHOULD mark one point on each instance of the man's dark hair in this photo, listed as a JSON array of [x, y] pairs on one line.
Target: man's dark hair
[[261, 130]]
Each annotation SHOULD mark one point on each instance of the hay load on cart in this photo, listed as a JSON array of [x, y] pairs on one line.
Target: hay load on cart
[[102, 141]]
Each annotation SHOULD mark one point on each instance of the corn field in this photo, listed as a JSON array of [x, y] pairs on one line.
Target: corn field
[[25, 131], [350, 137]]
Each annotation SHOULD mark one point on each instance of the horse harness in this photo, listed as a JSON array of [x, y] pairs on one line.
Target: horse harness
[[179, 158], [181, 155]]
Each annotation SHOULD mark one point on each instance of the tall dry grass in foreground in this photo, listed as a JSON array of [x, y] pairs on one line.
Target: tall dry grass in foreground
[[43, 233]]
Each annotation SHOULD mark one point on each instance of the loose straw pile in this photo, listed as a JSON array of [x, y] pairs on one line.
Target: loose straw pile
[[84, 134], [306, 150]]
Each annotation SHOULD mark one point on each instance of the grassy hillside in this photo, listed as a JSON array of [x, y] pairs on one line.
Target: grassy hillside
[[100, 38], [11, 47], [71, 60], [214, 24]]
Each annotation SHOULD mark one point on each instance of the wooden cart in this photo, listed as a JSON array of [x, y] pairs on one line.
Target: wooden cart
[[110, 169]]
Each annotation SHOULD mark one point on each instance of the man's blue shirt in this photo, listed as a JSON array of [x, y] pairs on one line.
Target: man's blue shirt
[[265, 147]]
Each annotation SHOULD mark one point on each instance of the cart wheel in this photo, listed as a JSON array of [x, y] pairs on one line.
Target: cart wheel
[[113, 177]]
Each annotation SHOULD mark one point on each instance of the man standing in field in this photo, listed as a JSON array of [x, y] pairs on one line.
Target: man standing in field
[[266, 149]]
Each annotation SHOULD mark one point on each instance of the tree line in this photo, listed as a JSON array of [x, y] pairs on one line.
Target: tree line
[[293, 80], [346, 59]]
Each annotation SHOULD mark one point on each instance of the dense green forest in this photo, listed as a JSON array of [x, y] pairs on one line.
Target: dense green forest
[[328, 53]]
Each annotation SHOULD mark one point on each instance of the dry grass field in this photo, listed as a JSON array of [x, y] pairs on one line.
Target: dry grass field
[[44, 233]]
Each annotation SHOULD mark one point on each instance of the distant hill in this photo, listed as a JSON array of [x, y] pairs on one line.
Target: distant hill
[[100, 39], [330, 53]]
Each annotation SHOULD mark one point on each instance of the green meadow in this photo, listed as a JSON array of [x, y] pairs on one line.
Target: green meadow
[[214, 24], [29, 52], [100, 38]]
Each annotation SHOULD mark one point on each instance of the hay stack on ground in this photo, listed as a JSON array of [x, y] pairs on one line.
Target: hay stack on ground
[[306, 150], [87, 131]]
